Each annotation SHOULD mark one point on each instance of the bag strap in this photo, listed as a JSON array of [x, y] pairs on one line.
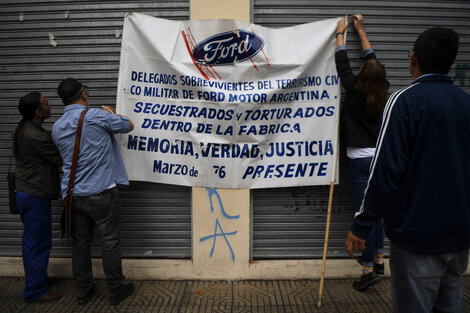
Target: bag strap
[[76, 150], [66, 218]]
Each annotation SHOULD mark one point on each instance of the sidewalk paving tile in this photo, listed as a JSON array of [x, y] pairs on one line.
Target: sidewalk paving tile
[[269, 296], [159, 293], [206, 296]]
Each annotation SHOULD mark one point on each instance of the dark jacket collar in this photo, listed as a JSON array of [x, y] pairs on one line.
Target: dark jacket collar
[[433, 77]]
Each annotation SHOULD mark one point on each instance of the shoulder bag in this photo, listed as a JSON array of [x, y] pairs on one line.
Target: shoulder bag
[[66, 218]]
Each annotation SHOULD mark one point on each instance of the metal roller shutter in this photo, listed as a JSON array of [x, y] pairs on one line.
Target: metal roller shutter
[[290, 222], [43, 42]]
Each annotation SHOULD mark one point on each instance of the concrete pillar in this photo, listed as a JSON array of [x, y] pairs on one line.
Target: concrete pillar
[[220, 217], [220, 9]]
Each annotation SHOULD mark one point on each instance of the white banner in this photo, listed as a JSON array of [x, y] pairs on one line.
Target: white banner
[[227, 104]]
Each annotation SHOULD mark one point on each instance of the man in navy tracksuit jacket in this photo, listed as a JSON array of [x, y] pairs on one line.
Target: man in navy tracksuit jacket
[[420, 182]]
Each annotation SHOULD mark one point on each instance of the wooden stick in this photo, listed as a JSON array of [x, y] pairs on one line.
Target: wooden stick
[[325, 245], [330, 204]]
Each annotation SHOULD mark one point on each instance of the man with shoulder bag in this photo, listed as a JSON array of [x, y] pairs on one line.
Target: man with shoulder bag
[[93, 167]]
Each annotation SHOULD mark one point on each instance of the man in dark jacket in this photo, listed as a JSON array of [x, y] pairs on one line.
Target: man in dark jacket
[[420, 182], [37, 182]]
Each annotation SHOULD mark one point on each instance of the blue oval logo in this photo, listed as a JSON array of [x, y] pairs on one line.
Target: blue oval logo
[[227, 48]]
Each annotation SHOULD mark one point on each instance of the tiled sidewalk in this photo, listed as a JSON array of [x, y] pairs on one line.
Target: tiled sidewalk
[[216, 296]]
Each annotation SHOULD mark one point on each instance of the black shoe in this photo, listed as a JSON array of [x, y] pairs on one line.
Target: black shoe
[[379, 269], [366, 281], [87, 296], [125, 292]]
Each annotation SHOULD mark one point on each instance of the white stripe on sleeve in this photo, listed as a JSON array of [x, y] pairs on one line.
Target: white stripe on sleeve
[[385, 120]]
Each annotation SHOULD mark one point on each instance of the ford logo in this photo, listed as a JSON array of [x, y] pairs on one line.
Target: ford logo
[[227, 48]]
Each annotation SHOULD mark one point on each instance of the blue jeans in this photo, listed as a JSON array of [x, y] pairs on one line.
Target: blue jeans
[[424, 283], [103, 213], [359, 175], [37, 242]]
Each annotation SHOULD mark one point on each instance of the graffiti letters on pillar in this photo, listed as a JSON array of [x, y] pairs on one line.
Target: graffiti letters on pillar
[[461, 75], [216, 234], [213, 191], [218, 227]]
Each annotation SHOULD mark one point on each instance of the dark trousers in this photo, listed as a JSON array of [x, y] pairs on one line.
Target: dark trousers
[[37, 242], [423, 283], [359, 173], [103, 213]]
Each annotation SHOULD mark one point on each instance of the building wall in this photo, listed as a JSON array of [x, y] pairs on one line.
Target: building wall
[[289, 222], [43, 42]]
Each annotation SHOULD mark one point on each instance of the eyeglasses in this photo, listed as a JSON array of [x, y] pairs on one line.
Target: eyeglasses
[[410, 51]]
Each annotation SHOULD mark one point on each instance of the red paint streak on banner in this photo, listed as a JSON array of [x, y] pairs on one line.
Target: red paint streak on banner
[[265, 56], [192, 57], [209, 68], [244, 48]]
